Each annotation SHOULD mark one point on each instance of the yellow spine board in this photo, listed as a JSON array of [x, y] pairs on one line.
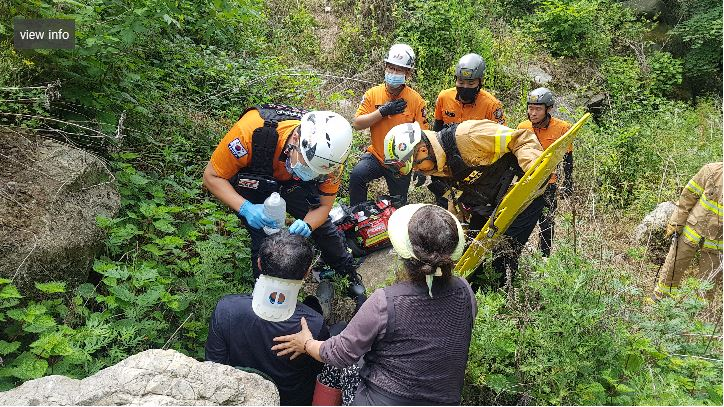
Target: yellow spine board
[[529, 187]]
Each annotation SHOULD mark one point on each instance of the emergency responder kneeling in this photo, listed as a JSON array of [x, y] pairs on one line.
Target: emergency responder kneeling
[[300, 155], [382, 107], [477, 160]]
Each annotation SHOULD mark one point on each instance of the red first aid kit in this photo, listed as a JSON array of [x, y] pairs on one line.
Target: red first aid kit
[[365, 225]]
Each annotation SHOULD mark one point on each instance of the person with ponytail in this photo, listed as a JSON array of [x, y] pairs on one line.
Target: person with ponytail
[[412, 336]]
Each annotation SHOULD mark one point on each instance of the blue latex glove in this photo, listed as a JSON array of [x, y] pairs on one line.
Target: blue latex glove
[[254, 215], [300, 227]]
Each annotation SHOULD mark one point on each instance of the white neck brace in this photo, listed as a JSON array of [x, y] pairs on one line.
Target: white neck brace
[[275, 299]]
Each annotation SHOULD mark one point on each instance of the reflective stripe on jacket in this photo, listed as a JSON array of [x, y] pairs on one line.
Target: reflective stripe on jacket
[[700, 208]]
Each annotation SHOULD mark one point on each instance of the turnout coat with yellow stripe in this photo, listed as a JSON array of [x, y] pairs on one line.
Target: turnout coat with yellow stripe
[[699, 208], [482, 142]]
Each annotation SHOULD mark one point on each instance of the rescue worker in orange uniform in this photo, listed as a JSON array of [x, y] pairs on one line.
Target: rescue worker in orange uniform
[[299, 154], [466, 101], [696, 224], [382, 107], [477, 160], [548, 129]]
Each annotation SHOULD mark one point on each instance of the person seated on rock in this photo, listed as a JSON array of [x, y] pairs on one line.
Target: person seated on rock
[[242, 326], [414, 335]]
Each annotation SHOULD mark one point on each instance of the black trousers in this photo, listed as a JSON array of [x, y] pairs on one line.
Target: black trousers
[[299, 200], [507, 252], [547, 220], [369, 169]]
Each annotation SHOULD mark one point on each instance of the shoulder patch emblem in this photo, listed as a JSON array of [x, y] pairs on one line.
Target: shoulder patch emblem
[[449, 113], [498, 113], [237, 149]]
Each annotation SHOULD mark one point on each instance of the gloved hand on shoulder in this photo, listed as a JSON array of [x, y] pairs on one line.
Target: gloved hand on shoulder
[[393, 107], [254, 215]]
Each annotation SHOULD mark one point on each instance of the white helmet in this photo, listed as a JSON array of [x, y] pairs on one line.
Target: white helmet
[[401, 55], [325, 140], [400, 144]]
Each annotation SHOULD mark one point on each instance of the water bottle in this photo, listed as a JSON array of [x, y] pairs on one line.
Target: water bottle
[[276, 209]]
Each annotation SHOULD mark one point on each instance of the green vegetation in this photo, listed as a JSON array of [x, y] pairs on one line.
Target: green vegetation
[[575, 331], [171, 254]]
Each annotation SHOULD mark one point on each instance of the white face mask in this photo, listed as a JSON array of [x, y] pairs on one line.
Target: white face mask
[[275, 299]]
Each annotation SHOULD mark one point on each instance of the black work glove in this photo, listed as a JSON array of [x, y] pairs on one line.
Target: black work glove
[[393, 107], [567, 190], [419, 179]]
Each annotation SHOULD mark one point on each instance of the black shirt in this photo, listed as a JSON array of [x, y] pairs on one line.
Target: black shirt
[[238, 337]]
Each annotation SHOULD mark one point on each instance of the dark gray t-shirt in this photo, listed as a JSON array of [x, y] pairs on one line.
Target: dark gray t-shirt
[[238, 337]]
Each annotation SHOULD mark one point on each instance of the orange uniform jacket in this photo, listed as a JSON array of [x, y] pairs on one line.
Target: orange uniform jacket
[[234, 151], [378, 96], [547, 135], [450, 110]]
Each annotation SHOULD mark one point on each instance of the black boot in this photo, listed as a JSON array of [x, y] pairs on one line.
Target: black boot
[[356, 289]]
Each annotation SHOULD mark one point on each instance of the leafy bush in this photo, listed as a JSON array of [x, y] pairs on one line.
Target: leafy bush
[[665, 73], [629, 81], [643, 153], [171, 254], [441, 32], [205, 56], [698, 35], [623, 79], [294, 31], [574, 334], [570, 28], [586, 29]]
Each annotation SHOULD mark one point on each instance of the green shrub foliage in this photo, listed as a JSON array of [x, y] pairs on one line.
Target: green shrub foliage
[[181, 72], [171, 254], [573, 333]]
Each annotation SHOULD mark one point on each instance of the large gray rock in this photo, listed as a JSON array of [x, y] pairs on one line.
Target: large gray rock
[[153, 377], [50, 195], [538, 76], [650, 232], [654, 223], [567, 107], [378, 269], [647, 8]]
